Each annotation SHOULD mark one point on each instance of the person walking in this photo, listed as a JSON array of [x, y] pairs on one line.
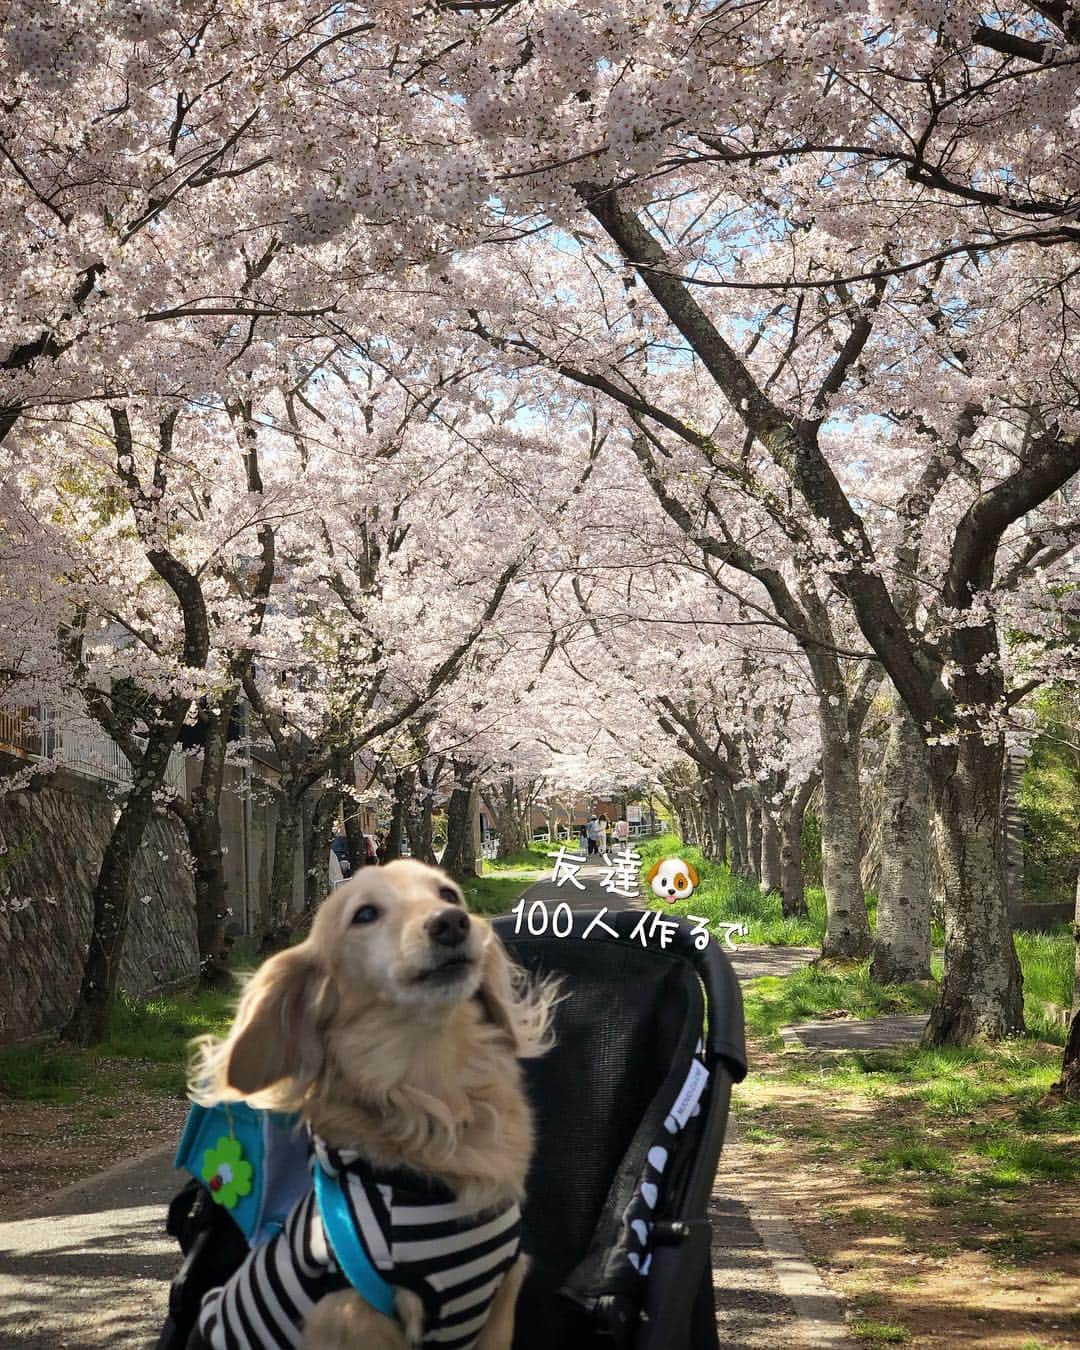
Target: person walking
[[590, 834], [601, 835]]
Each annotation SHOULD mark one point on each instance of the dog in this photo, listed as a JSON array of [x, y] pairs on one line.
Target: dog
[[672, 879], [394, 1030]]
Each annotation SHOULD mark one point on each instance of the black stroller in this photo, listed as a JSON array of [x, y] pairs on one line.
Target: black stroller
[[631, 1109]]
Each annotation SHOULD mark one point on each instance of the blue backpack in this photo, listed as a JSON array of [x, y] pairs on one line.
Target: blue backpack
[[254, 1163]]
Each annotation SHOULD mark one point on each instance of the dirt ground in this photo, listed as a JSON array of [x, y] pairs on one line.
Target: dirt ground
[[913, 1271], [45, 1146]]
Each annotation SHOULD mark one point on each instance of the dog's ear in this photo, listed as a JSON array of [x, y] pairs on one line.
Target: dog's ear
[[692, 875], [653, 869], [276, 1034], [521, 1008]]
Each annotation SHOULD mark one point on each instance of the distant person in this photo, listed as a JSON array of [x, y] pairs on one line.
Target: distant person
[[583, 840], [339, 847], [371, 850], [337, 876], [601, 835], [590, 834]]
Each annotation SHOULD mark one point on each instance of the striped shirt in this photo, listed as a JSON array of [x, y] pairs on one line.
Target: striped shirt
[[415, 1233]]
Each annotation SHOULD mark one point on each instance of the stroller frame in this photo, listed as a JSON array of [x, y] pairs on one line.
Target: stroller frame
[[652, 1014]]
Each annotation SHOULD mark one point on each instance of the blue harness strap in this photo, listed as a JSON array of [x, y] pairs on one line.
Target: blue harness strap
[[346, 1246]]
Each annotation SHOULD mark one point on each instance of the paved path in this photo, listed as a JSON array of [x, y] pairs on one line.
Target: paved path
[[91, 1266], [851, 1033]]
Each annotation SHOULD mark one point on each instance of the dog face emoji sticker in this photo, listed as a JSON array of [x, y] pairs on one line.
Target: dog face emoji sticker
[[672, 879]]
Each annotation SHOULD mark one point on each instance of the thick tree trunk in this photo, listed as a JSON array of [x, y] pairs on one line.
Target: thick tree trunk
[[771, 879], [354, 834], [736, 822], [847, 928], [90, 1021], [902, 939], [711, 820], [420, 815], [981, 994], [395, 834], [751, 814], [316, 874], [286, 842], [461, 857], [211, 898], [792, 881], [512, 829], [200, 817]]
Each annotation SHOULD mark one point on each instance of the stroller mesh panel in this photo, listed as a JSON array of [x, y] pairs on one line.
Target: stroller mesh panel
[[629, 1027]]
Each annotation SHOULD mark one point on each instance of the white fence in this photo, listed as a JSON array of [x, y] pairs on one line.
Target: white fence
[[43, 733]]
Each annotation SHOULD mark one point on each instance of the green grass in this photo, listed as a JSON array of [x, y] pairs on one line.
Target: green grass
[[880, 1333], [722, 897], [775, 1001], [152, 1034], [495, 894], [1045, 958], [534, 858], [159, 1029], [39, 1073]]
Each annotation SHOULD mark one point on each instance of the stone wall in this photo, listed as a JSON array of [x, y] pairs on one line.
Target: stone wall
[[52, 841]]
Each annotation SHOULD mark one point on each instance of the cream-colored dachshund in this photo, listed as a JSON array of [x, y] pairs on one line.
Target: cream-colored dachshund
[[395, 1031]]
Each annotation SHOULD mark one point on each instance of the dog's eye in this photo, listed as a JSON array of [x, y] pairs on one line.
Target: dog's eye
[[448, 894], [365, 914]]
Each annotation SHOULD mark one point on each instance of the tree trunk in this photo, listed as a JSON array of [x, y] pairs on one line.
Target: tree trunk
[[711, 820], [751, 814], [395, 834], [736, 821], [902, 939], [286, 842], [513, 834], [792, 881], [847, 928], [461, 857], [350, 813], [90, 1020], [420, 820], [316, 874], [770, 854], [201, 820], [981, 995]]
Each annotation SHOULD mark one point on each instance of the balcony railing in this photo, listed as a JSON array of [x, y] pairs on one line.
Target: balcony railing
[[43, 733]]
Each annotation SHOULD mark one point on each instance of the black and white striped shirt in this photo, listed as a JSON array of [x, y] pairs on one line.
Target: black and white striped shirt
[[415, 1233]]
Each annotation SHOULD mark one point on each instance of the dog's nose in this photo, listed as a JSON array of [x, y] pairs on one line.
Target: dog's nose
[[449, 927], [671, 890]]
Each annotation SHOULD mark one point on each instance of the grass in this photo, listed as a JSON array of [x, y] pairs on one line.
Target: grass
[[879, 1333], [722, 897], [533, 859], [35, 1073], [496, 894], [775, 1001], [151, 1034], [1045, 958]]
